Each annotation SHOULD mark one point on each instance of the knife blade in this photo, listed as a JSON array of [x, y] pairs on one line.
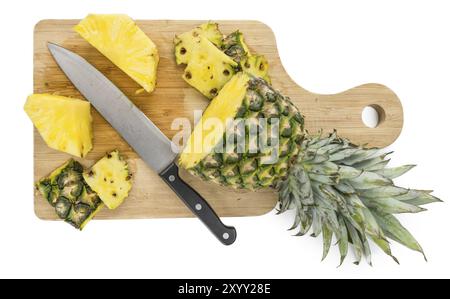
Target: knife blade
[[139, 132]]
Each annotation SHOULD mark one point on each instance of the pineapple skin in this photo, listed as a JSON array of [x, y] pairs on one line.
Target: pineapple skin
[[119, 38], [66, 191], [110, 178], [254, 64], [234, 46], [244, 168], [64, 123]]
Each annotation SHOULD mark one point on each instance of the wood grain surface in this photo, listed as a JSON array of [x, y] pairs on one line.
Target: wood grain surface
[[173, 98]]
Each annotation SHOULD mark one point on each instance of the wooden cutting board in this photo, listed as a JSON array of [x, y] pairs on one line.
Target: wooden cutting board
[[173, 98]]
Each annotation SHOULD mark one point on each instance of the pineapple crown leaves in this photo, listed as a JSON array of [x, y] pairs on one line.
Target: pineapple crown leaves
[[343, 190]]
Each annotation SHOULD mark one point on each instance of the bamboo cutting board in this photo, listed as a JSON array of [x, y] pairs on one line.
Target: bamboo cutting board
[[173, 98]]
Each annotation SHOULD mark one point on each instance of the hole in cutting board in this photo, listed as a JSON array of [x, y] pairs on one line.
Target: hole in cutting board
[[372, 116]]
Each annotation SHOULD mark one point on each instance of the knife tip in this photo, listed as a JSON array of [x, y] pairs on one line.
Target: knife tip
[[53, 46]]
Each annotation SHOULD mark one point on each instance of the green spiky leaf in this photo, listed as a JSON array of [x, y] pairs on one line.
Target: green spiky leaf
[[343, 190]]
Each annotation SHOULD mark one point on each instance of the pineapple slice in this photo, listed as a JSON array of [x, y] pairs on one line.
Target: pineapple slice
[[209, 68], [185, 42], [64, 123], [110, 179], [121, 41], [66, 190], [212, 60]]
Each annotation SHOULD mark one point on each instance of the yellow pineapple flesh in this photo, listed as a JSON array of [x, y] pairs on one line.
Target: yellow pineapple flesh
[[125, 44], [258, 66], [110, 178], [64, 123], [209, 68], [185, 42]]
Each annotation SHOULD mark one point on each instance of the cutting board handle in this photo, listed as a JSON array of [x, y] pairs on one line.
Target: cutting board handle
[[343, 112]]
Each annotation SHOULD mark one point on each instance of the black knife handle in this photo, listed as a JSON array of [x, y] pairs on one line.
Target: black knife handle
[[198, 206]]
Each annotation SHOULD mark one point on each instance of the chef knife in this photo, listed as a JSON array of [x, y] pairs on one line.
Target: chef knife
[[140, 133]]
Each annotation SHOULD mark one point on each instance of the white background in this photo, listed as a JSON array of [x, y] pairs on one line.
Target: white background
[[326, 47]]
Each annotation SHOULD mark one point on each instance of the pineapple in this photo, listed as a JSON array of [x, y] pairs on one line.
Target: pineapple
[[336, 188], [64, 123], [110, 179], [212, 60], [73, 200], [185, 42], [121, 41], [209, 68]]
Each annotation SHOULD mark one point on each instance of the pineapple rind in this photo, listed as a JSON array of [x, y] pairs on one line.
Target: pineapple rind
[[125, 44], [91, 216], [234, 46], [254, 64], [66, 208], [110, 178], [65, 124]]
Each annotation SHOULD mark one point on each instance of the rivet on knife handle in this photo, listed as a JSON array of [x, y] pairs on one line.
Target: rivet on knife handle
[[196, 203]]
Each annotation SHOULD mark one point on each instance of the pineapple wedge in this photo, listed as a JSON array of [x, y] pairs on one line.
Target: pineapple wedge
[[64, 123], [121, 41], [110, 179]]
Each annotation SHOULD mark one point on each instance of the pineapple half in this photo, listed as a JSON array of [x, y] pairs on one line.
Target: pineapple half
[[110, 178], [125, 44], [73, 200], [64, 123], [211, 60], [336, 188]]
